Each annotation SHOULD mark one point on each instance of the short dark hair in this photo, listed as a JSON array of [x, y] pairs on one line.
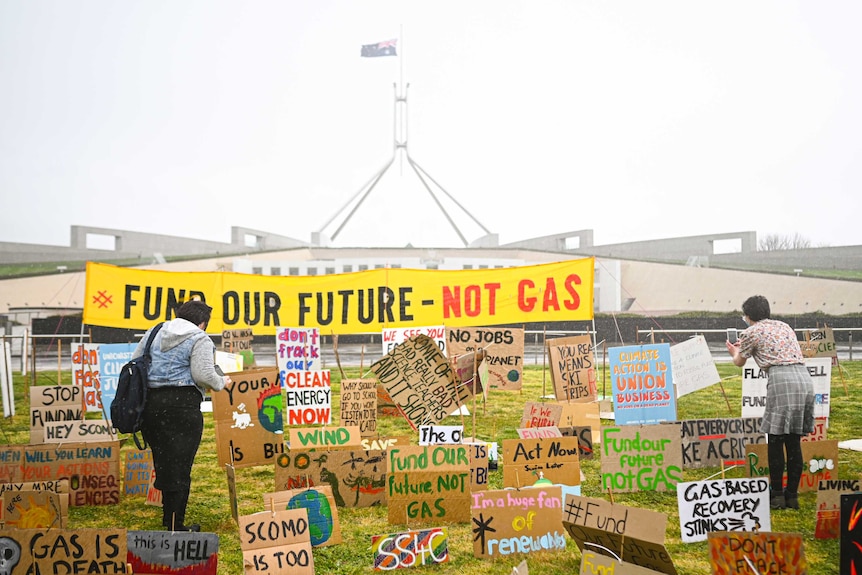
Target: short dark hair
[[756, 308], [195, 311]]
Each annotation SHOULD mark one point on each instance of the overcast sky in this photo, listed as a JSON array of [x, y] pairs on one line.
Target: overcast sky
[[636, 119]]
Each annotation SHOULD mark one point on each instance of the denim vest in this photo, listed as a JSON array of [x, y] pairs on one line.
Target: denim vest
[[172, 368]]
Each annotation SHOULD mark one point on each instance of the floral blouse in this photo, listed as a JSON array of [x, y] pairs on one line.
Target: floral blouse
[[770, 342]]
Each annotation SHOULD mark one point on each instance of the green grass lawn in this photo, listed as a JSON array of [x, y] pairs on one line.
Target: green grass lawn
[[497, 420]]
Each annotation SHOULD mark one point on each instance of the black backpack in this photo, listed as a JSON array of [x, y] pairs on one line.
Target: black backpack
[[127, 408]]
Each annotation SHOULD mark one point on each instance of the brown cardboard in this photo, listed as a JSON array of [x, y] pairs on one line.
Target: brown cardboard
[[517, 521], [105, 548], [357, 478], [641, 457], [359, 405], [556, 459], [429, 484], [287, 553], [573, 371], [504, 352], [822, 456], [325, 527], [329, 438], [764, 552]]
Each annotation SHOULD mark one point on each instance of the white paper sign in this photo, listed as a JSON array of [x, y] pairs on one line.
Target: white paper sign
[[398, 335], [692, 366], [722, 505], [754, 387]]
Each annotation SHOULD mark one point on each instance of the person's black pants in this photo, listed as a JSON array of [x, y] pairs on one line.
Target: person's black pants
[[790, 443], [173, 426]]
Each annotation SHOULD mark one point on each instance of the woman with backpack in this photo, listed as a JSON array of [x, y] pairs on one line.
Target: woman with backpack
[[182, 369]]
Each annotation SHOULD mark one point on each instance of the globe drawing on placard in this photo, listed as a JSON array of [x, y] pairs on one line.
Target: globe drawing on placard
[[269, 410], [319, 514]]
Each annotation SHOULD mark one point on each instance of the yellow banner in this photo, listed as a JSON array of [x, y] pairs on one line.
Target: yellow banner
[[361, 302]]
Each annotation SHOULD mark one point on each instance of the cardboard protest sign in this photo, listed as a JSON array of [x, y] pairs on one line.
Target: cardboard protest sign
[[541, 415], [709, 442], [325, 438], [642, 380], [539, 432], [527, 460], [137, 468], [97, 551], [818, 343], [722, 505], [154, 495], [308, 396], [248, 419], [731, 553], [537, 415], [420, 381], [384, 443], [177, 553], [851, 533], [819, 433], [357, 478], [96, 465], [11, 457], [641, 457], [478, 465], [85, 373], [112, 358], [633, 534], [592, 563], [410, 548], [359, 405], [297, 349], [517, 521], [829, 494], [239, 341], [324, 527], [276, 542], [429, 484], [34, 509], [573, 370], [395, 336], [78, 431], [440, 434], [585, 439], [754, 382], [56, 486], [504, 352], [692, 366], [819, 462], [49, 403]]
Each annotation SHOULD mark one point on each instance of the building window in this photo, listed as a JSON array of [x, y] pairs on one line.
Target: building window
[[395, 266], [330, 271], [257, 271], [311, 272], [347, 268], [483, 267], [468, 266], [378, 266], [363, 267], [275, 271], [432, 267], [293, 271]]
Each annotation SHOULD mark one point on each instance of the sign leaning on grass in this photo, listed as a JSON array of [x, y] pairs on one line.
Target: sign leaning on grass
[[178, 553], [276, 542], [693, 366], [410, 548], [709, 442], [819, 462], [49, 403], [510, 521], [642, 383], [641, 458], [67, 550], [357, 478], [731, 553], [722, 505], [829, 494], [527, 460], [504, 352], [429, 484]]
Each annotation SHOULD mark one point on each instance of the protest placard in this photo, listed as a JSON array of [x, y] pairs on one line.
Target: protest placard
[[78, 431], [573, 371], [276, 542], [829, 492], [357, 478], [420, 381], [850, 543], [359, 405], [50, 403], [95, 464], [754, 387], [11, 457], [413, 548], [642, 381], [641, 457], [308, 397], [633, 534], [112, 358], [478, 465], [819, 462], [512, 521], [324, 526], [585, 439], [239, 342], [731, 553], [85, 373], [429, 484], [539, 432], [692, 366], [503, 349], [395, 336], [722, 505], [297, 349], [34, 509], [57, 486], [97, 551], [384, 443], [711, 442], [248, 419], [527, 460], [593, 563], [137, 468], [818, 342], [177, 553], [326, 438]]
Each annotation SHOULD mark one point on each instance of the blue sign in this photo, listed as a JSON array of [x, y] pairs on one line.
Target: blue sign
[[642, 384]]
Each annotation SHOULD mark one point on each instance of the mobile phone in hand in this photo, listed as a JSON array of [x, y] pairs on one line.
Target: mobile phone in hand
[[732, 336]]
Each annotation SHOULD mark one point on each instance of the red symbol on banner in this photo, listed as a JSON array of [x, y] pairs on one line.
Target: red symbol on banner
[[103, 299]]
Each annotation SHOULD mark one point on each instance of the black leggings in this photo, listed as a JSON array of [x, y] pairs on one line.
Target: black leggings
[[173, 427], [778, 444]]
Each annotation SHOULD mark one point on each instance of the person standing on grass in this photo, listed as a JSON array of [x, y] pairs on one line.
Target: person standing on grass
[[183, 367], [789, 410]]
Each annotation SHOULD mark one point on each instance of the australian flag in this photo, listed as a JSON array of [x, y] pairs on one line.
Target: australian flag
[[386, 48]]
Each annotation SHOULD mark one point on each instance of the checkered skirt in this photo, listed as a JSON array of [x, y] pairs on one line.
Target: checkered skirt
[[789, 401]]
